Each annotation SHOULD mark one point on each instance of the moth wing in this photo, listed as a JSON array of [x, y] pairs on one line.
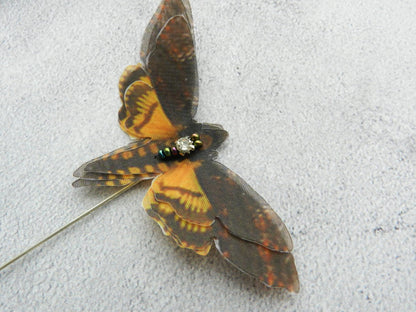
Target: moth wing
[[202, 190], [247, 232], [110, 180], [274, 269], [186, 234], [160, 98], [131, 74], [179, 187], [173, 70], [242, 211], [166, 10], [142, 115], [136, 161]]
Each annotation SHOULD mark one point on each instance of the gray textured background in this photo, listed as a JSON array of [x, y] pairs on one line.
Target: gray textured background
[[319, 99]]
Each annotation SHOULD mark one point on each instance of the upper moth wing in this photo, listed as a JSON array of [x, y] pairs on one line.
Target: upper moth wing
[[131, 74], [203, 194], [172, 68], [164, 12], [160, 97], [142, 114]]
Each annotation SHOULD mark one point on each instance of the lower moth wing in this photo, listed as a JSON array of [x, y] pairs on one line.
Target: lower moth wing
[[241, 209], [202, 194], [274, 269], [202, 190], [136, 161], [102, 179], [186, 235], [133, 145], [179, 187]]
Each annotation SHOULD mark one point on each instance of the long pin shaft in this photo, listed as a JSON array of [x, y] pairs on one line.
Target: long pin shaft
[[86, 213]]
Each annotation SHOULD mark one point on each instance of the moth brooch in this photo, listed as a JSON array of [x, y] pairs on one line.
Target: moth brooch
[[194, 199]]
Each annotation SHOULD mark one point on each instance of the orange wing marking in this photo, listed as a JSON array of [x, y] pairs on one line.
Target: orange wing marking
[[144, 115], [180, 188], [185, 234]]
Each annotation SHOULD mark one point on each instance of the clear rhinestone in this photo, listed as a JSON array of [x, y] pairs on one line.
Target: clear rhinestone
[[185, 145]]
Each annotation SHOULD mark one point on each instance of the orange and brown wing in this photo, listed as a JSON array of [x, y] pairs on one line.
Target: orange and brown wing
[[173, 70], [274, 269], [186, 234], [102, 179], [142, 115], [242, 211], [180, 188], [159, 98], [247, 232], [137, 161], [178, 204], [168, 52]]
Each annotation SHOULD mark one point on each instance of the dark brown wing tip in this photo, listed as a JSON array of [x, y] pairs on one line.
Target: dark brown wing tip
[[292, 287], [274, 269]]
